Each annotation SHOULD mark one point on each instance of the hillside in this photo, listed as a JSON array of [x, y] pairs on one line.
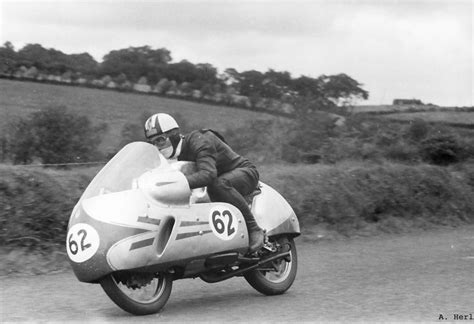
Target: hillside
[[18, 99]]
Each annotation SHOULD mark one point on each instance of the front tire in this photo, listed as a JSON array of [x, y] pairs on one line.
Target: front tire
[[148, 299], [277, 276]]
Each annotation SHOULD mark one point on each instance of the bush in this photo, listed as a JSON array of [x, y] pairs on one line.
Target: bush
[[418, 130], [260, 140], [55, 135], [35, 206], [467, 172], [401, 152], [305, 139], [443, 149], [351, 197], [22, 143]]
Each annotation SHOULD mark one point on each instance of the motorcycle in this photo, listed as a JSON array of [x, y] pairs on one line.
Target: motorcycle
[[138, 227]]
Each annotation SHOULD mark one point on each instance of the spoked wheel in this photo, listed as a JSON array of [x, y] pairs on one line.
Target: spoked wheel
[[137, 293], [277, 276]]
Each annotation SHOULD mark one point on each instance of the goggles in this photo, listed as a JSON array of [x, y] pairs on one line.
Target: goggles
[[159, 140]]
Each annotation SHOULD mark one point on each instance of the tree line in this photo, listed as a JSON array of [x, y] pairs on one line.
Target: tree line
[[155, 67], [310, 137], [34, 137]]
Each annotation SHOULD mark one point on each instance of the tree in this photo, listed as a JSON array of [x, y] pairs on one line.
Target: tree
[[342, 89], [8, 58], [231, 77], [55, 61], [183, 71], [275, 84], [83, 63], [42, 58], [307, 87], [207, 90], [250, 82], [135, 62], [206, 73]]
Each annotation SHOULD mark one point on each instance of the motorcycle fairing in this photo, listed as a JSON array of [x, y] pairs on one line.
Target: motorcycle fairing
[[151, 233], [273, 213], [190, 235], [93, 268]]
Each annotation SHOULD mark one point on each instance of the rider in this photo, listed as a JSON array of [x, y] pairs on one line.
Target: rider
[[227, 175]]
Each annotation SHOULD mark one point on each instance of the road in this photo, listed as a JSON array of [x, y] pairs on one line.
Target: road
[[411, 277]]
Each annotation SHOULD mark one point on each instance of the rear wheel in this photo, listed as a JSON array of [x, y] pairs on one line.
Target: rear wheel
[[137, 293], [276, 277]]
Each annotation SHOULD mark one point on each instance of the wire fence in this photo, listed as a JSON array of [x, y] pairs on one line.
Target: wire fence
[[62, 164]]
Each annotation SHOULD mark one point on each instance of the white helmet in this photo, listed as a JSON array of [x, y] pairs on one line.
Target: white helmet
[[159, 124]]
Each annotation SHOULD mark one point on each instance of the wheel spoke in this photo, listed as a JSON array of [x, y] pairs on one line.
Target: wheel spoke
[[277, 276], [138, 293], [278, 272], [147, 293]]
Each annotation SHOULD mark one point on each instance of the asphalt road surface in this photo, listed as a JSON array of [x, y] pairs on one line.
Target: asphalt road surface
[[425, 277]]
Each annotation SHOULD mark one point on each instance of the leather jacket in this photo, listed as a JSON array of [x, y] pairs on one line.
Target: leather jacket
[[213, 157]]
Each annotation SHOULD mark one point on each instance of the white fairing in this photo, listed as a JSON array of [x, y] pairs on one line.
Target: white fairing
[[166, 186], [118, 208], [271, 210]]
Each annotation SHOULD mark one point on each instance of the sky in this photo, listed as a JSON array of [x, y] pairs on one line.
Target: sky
[[405, 49]]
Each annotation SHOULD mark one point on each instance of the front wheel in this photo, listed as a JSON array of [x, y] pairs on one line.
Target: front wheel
[[138, 294], [276, 277]]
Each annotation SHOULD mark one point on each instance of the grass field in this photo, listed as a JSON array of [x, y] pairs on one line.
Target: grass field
[[18, 99], [462, 118], [380, 108], [404, 108]]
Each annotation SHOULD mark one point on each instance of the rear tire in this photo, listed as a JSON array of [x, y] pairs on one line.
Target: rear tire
[[278, 280], [136, 301]]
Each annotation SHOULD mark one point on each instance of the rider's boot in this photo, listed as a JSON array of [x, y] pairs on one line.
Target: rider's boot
[[256, 238]]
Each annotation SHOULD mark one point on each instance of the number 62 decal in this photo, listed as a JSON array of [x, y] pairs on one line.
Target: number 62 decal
[[223, 224], [82, 242]]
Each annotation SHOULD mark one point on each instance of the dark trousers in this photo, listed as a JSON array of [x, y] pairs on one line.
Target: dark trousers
[[230, 187]]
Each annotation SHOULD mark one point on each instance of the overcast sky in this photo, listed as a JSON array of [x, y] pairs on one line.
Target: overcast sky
[[397, 49]]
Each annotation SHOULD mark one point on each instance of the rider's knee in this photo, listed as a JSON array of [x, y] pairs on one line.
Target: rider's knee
[[219, 185]]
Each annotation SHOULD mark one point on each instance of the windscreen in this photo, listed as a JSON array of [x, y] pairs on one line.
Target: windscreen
[[121, 172]]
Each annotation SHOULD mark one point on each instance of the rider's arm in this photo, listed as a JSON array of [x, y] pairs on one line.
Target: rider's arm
[[205, 153]]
